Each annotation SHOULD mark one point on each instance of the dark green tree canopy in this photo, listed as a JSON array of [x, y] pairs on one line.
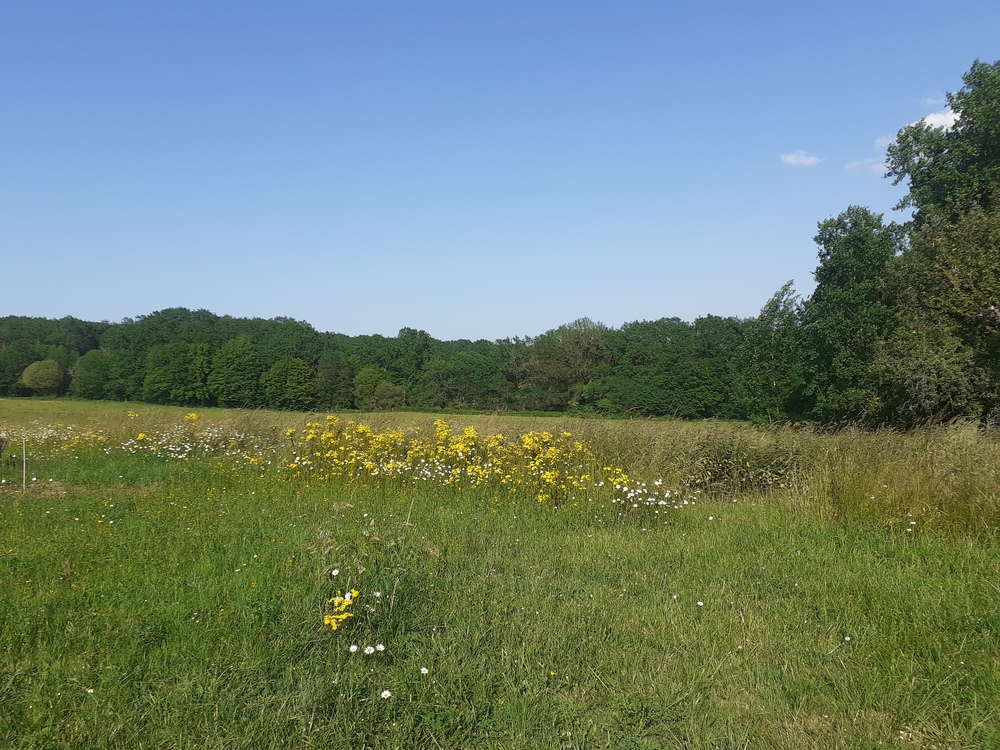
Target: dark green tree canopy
[[769, 374], [289, 384], [374, 390], [950, 170], [44, 378], [849, 313], [91, 376], [235, 376], [335, 380]]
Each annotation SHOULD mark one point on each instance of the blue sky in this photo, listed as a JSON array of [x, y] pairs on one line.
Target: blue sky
[[473, 169]]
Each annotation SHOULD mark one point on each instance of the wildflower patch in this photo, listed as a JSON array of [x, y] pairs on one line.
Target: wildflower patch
[[548, 467]]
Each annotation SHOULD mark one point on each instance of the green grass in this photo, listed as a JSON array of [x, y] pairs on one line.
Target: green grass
[[189, 599]]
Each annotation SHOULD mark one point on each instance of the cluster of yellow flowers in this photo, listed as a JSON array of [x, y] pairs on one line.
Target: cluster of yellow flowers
[[82, 441], [551, 467], [548, 467], [339, 605]]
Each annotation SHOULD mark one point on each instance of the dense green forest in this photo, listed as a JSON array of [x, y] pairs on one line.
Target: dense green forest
[[903, 328]]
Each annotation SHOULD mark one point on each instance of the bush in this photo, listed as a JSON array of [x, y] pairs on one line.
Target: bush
[[44, 378]]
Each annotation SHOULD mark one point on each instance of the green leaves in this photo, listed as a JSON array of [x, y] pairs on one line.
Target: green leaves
[[849, 313], [289, 384], [236, 372], [43, 378], [768, 366], [951, 170]]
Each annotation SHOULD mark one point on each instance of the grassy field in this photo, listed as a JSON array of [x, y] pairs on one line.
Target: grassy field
[[164, 578]]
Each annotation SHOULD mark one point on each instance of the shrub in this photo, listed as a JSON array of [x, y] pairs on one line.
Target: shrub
[[44, 378]]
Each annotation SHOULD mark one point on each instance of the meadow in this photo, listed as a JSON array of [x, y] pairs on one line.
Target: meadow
[[251, 579]]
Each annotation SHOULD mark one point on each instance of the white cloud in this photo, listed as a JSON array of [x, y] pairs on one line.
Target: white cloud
[[872, 165], [884, 140], [944, 119], [800, 159], [931, 102]]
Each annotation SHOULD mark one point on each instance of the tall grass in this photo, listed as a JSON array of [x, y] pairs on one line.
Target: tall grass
[[943, 477], [937, 477], [178, 603]]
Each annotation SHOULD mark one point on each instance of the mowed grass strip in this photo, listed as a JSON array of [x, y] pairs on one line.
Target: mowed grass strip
[[168, 604]]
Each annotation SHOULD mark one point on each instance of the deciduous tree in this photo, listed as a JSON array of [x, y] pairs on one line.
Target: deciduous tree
[[236, 372], [289, 384], [43, 378], [950, 170], [90, 376], [849, 314], [768, 366]]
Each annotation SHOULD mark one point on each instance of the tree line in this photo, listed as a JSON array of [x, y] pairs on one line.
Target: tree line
[[902, 328]]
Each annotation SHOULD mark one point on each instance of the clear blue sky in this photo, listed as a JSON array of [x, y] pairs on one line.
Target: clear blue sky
[[474, 169]]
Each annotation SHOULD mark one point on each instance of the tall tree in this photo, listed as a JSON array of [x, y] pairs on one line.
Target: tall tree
[[768, 367], [949, 290], [466, 381], [658, 371], [236, 372], [952, 271], [289, 384], [14, 357], [849, 314], [177, 373], [285, 338], [373, 390], [335, 380], [563, 361], [951, 169], [930, 375], [90, 376], [412, 350]]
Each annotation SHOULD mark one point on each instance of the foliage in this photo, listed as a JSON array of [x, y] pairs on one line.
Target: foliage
[[14, 357], [949, 278], [465, 381], [365, 382], [411, 351], [44, 378], [236, 371], [560, 363], [177, 373], [335, 381], [387, 396], [289, 384], [768, 366], [668, 367], [930, 375], [849, 313], [952, 170], [91, 375]]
